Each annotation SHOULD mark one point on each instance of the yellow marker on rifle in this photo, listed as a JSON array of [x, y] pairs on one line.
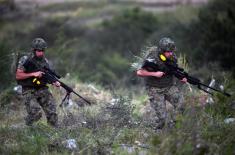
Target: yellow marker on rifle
[[34, 80], [37, 81]]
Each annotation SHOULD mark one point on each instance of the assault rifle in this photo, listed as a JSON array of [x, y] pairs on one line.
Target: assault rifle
[[180, 74], [51, 77]]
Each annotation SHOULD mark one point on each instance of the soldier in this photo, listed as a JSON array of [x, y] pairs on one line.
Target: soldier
[[160, 84], [36, 96]]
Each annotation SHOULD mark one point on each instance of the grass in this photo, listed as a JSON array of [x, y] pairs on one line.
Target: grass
[[71, 6], [114, 128], [181, 14]]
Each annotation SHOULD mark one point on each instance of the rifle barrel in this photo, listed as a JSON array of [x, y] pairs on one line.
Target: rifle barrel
[[180, 73], [66, 87], [69, 89], [223, 92], [81, 97]]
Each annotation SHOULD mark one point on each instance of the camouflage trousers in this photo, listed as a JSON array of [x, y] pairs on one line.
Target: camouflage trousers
[[37, 100], [158, 98]]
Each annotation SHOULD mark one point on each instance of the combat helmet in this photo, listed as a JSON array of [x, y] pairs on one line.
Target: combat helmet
[[39, 44], [167, 44]]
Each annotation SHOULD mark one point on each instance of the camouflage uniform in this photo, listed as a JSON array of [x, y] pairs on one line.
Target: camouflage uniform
[[161, 90], [158, 98], [37, 98]]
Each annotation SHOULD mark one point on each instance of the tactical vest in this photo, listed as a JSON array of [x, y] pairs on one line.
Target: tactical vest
[[33, 65], [167, 80]]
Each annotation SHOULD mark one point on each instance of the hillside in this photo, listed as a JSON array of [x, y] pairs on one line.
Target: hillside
[[92, 45]]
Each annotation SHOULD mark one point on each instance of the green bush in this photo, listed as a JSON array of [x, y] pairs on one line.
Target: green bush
[[100, 55], [6, 62], [129, 30], [214, 32]]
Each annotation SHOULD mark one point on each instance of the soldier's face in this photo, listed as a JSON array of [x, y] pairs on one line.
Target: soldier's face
[[39, 53], [168, 54]]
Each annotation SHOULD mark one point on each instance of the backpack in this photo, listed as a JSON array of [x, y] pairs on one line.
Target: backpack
[[15, 59]]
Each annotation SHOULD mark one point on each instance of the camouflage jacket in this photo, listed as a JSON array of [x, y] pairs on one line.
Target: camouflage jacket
[[168, 79], [27, 68]]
